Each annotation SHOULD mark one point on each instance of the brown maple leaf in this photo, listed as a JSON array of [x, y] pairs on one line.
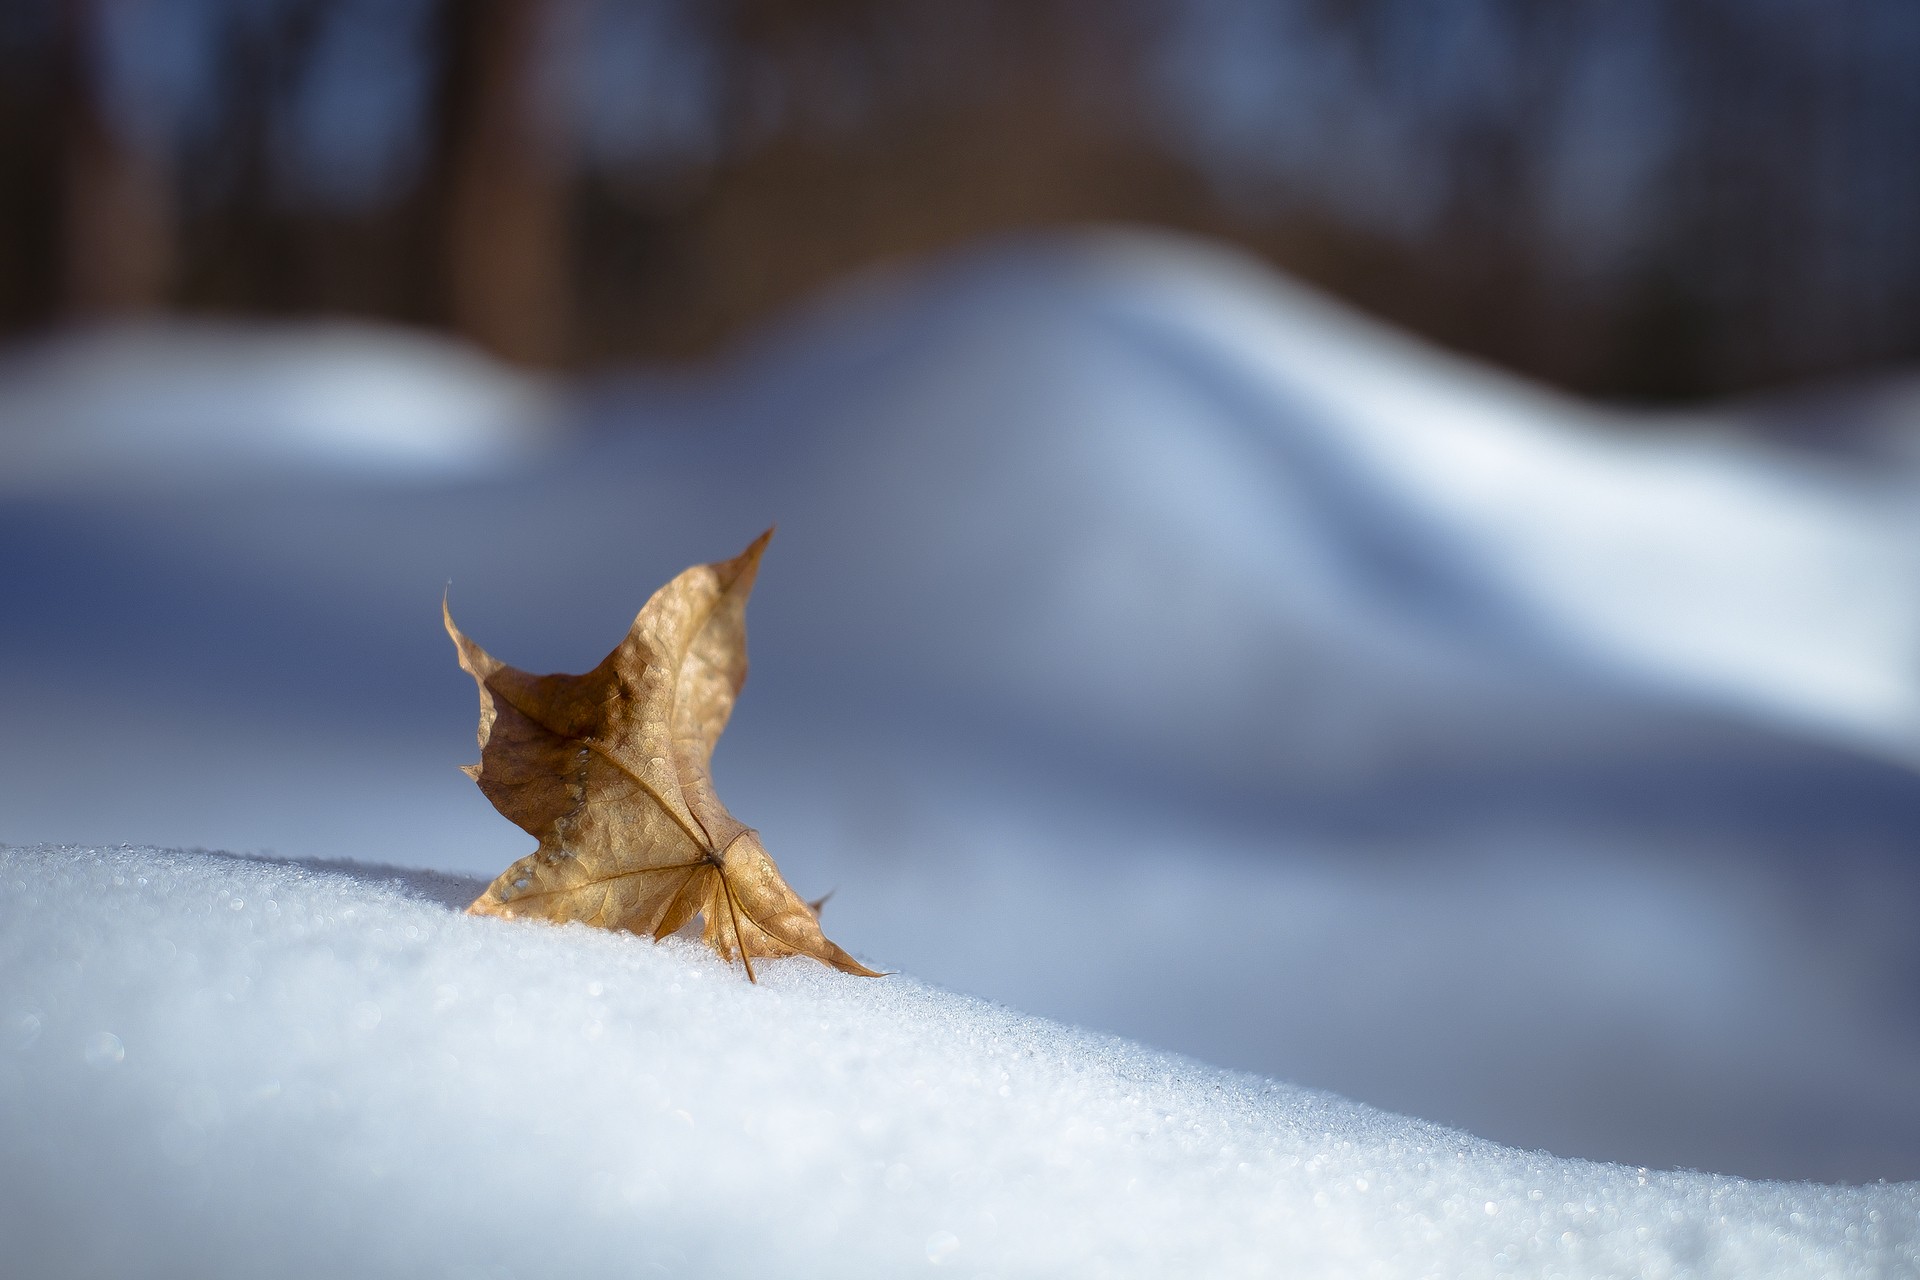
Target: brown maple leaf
[[609, 771]]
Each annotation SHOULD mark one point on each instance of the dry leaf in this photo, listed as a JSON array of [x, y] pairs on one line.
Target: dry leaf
[[609, 772]]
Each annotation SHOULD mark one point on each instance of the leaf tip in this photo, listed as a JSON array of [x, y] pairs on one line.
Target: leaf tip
[[750, 558]]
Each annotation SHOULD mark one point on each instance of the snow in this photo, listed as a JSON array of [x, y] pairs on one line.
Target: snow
[[1147, 644], [245, 1067], [1687, 558], [138, 403]]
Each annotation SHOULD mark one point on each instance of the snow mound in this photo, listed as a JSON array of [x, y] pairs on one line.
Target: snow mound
[[189, 402], [1150, 418], [1397, 728], [241, 1067]]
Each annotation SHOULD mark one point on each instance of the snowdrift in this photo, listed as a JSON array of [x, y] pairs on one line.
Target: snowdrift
[[241, 1068], [185, 402], [1148, 643]]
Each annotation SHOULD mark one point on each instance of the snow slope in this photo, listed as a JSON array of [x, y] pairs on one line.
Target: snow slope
[[1148, 643], [244, 1068]]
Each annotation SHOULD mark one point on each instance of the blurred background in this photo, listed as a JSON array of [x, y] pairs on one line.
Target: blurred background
[[1368, 542], [1649, 200]]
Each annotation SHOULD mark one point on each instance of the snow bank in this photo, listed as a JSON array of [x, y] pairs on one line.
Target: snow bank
[[224, 1067], [1399, 729], [187, 402], [1698, 561]]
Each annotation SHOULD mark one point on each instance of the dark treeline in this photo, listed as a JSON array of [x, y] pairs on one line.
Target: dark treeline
[[1632, 198]]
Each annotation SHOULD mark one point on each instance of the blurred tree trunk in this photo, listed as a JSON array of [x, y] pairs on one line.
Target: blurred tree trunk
[[115, 234], [502, 217]]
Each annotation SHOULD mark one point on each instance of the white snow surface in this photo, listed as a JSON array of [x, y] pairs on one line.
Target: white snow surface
[[233, 1067], [136, 404], [1695, 560], [1148, 643]]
